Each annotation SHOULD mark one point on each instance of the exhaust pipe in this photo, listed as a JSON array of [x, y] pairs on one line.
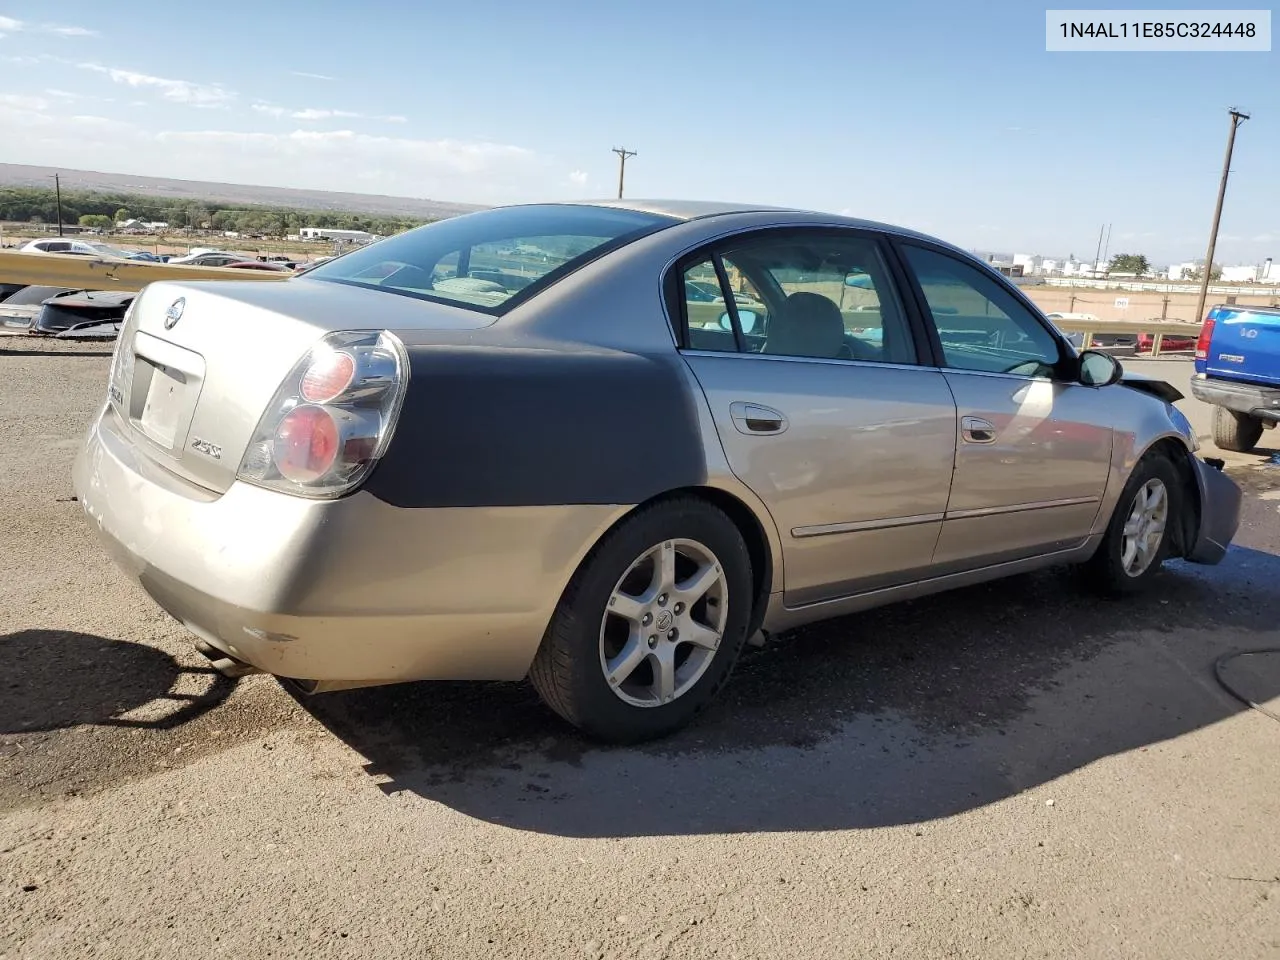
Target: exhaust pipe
[[224, 663]]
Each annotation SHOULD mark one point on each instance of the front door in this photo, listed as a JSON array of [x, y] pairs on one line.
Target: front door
[[811, 371], [1033, 449]]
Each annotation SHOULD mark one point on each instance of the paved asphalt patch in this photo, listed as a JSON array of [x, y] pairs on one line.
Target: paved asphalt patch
[[1011, 770]]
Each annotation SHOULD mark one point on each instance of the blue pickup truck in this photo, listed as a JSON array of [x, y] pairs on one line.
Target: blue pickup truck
[[1238, 371]]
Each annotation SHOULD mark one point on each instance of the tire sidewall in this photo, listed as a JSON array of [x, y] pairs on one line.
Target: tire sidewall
[[1111, 553], [603, 712]]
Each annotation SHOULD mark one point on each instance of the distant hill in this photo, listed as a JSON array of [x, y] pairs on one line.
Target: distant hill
[[20, 175]]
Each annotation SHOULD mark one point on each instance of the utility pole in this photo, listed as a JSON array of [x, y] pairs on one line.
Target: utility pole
[[1106, 248], [57, 189], [1098, 253], [623, 153], [1236, 119]]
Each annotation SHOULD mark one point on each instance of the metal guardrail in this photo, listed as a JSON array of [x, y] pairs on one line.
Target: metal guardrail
[[1159, 329], [91, 273]]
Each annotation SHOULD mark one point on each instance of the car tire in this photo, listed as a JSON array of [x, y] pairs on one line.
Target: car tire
[[1233, 431], [603, 671], [1113, 571]]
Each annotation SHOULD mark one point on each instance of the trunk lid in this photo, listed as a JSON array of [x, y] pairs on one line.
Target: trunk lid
[[1245, 344], [198, 363]]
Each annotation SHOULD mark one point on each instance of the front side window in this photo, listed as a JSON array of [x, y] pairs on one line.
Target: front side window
[[808, 294], [492, 260], [981, 325]]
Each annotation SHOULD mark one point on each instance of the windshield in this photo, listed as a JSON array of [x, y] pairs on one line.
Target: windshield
[[492, 260]]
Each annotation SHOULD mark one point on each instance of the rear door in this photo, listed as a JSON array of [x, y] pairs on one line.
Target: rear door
[[1245, 345], [1033, 446], [821, 403]]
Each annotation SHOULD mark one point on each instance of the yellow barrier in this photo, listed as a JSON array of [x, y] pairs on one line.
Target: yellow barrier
[[90, 273]]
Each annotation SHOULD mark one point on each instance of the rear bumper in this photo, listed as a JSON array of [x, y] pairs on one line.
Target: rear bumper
[[1220, 501], [351, 590], [1248, 398]]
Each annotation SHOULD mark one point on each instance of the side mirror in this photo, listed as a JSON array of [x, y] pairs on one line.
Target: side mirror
[[746, 317], [1099, 369]]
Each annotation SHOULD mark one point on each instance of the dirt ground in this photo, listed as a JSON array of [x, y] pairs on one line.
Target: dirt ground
[[1008, 771]]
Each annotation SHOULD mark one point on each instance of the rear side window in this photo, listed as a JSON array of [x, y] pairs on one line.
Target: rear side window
[[799, 293], [492, 260]]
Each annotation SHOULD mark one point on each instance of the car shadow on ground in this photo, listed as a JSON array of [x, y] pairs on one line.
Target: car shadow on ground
[[122, 702], [55, 679], [893, 717]]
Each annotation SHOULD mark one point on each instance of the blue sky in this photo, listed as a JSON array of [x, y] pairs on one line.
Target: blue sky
[[949, 117]]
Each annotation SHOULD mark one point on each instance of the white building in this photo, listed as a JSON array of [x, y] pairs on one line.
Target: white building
[[1180, 271], [325, 233], [1029, 263], [1050, 266], [1270, 272], [1244, 274]]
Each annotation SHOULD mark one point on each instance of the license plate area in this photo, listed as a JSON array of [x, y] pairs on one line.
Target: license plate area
[[166, 382], [164, 405]]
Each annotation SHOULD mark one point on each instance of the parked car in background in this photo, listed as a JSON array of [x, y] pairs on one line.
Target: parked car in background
[[597, 478], [1146, 342], [1238, 372], [208, 258], [86, 248]]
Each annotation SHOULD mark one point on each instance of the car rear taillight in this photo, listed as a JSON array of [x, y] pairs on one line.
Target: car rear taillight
[[1206, 334], [332, 417]]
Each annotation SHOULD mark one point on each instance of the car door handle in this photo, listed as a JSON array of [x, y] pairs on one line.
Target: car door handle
[[752, 418], [977, 430]]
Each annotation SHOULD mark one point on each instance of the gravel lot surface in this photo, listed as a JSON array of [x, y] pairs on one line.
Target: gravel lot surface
[[1008, 771]]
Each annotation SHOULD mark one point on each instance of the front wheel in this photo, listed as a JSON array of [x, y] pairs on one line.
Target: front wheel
[[651, 624], [1137, 540]]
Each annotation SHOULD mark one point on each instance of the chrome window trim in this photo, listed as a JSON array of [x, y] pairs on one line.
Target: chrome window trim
[[839, 361]]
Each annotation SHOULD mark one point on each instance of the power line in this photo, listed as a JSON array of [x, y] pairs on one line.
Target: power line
[[623, 153], [1236, 119]]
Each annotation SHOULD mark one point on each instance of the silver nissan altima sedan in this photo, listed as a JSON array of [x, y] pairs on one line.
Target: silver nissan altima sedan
[[600, 445]]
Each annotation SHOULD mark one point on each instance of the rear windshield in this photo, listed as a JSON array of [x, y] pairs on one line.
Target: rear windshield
[[492, 260]]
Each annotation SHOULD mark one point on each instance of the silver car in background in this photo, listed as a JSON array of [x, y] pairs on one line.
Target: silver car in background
[[600, 445]]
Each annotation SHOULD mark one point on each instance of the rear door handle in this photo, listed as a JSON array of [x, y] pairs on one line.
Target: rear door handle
[[977, 430], [753, 418]]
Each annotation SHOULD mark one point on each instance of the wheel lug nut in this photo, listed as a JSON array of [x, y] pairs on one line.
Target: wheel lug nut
[[673, 635], [647, 619], [653, 640], [662, 599], [679, 609]]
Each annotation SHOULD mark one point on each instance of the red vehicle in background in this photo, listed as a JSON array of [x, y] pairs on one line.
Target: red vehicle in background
[[1167, 343]]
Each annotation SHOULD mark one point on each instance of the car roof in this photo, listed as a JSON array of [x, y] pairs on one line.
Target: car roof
[[699, 209]]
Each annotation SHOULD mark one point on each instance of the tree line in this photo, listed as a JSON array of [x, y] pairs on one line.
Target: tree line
[[103, 210]]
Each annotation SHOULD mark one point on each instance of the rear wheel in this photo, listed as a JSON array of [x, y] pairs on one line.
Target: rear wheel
[[651, 625], [1137, 540], [1233, 431]]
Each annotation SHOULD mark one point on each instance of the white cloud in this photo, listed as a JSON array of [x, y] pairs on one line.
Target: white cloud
[[175, 91], [22, 102], [10, 25], [64, 94], [269, 109], [311, 113], [578, 178], [310, 76], [343, 160]]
